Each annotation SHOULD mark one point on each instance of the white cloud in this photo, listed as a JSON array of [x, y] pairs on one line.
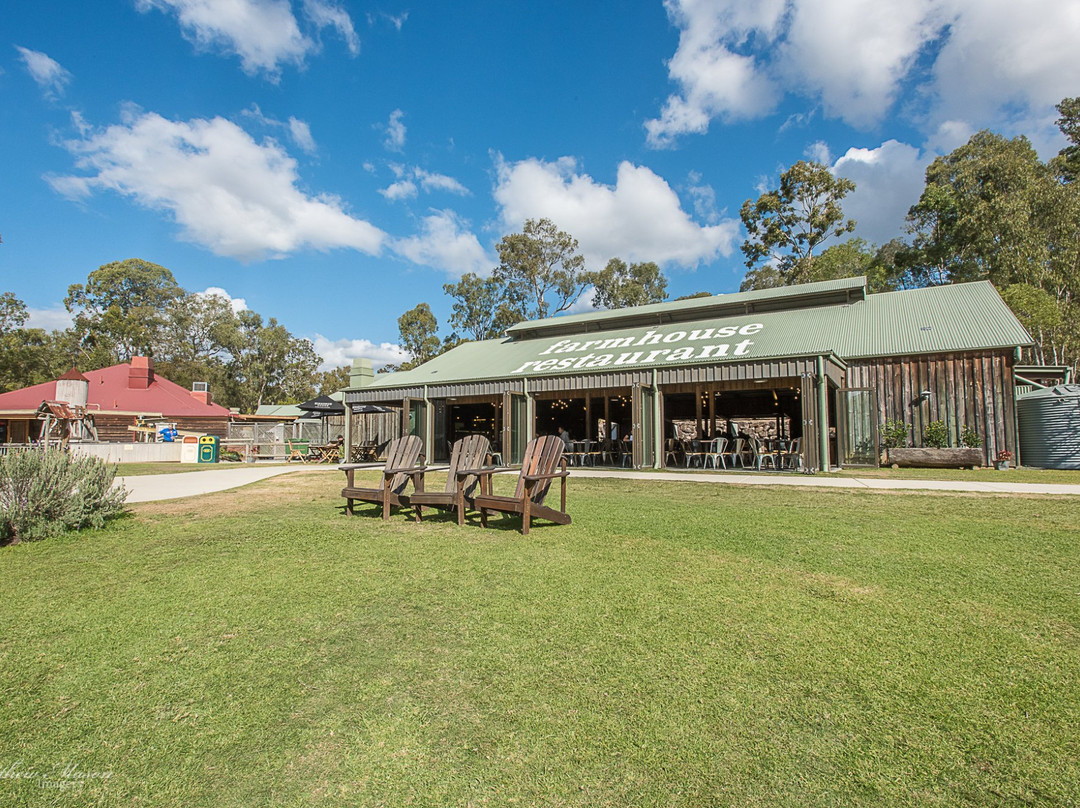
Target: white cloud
[[888, 181], [327, 14], [968, 63], [640, 218], [445, 243], [704, 197], [265, 34], [395, 132], [999, 54], [238, 304], [395, 20], [56, 318], [412, 180], [717, 74], [45, 71], [440, 182], [403, 189], [299, 131], [818, 151], [301, 135], [228, 193], [336, 353]]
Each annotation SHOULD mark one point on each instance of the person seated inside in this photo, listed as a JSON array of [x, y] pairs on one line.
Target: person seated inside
[[565, 436]]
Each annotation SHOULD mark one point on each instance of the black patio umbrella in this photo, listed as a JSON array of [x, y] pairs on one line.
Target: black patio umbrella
[[323, 405], [364, 408]]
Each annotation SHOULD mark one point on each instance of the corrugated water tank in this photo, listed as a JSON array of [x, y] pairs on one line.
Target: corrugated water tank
[[1050, 427]]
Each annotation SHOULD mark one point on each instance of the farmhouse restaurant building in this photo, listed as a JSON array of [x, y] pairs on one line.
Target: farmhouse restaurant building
[[826, 362]]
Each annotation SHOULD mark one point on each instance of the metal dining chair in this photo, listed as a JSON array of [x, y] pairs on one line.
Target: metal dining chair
[[762, 457], [735, 452], [716, 452], [792, 458]]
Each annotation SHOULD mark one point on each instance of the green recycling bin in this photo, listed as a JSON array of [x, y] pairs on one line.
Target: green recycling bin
[[208, 449]]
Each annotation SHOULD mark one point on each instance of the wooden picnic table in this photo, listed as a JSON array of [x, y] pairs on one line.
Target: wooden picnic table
[[365, 452], [325, 453]]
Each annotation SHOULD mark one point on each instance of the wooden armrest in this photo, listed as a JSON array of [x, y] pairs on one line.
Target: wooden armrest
[[405, 470], [485, 470], [552, 476]]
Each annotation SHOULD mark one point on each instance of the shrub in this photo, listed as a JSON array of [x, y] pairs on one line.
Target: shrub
[[46, 493], [969, 437], [936, 434], [894, 434]]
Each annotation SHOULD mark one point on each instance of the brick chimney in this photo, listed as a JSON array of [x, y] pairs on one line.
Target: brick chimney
[[200, 391], [141, 373]]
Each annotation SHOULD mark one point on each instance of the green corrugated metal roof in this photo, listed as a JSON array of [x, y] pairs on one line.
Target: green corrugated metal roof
[[941, 319], [803, 295], [281, 410]]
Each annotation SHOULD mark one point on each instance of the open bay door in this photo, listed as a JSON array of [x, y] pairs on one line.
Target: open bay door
[[515, 431], [858, 427], [643, 414], [811, 433], [414, 420], [439, 449]]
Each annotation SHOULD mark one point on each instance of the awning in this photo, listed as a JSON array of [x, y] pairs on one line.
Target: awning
[[323, 405]]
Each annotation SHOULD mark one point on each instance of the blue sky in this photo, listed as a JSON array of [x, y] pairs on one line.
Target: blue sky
[[333, 163]]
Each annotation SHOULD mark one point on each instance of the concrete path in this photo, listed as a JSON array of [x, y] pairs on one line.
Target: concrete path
[[827, 481], [153, 487]]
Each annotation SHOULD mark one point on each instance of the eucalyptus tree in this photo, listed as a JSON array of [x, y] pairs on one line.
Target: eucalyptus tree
[[618, 285], [482, 307], [542, 270], [785, 225], [992, 210], [119, 312]]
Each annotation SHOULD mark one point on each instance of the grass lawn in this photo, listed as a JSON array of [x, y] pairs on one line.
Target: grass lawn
[[679, 644]]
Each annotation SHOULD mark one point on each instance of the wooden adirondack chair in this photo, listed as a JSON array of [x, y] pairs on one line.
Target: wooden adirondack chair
[[543, 463], [298, 450], [404, 461], [471, 452]]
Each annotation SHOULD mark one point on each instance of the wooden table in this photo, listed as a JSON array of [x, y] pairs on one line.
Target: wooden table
[[327, 453], [364, 453]]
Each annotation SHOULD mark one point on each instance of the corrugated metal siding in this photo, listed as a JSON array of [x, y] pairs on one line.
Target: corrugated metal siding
[[1050, 428], [384, 395], [743, 371], [593, 381]]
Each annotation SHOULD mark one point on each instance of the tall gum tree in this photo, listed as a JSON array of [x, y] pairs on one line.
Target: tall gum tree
[[785, 225], [541, 269]]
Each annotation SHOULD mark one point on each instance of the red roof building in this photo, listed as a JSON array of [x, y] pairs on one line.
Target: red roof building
[[116, 397]]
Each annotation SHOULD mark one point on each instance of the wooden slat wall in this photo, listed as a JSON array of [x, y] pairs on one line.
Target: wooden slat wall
[[114, 428], [966, 390]]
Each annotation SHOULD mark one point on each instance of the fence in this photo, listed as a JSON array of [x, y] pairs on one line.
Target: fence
[[12, 448], [269, 440]]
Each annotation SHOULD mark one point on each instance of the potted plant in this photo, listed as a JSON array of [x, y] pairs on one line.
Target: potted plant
[[1004, 457], [935, 452]]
